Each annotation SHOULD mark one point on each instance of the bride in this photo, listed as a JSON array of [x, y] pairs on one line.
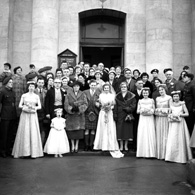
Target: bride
[[106, 139]]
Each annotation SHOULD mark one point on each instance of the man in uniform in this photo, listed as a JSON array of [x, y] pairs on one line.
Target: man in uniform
[[8, 117]]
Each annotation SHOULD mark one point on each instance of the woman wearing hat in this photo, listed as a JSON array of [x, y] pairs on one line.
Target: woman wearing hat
[[19, 86], [146, 136], [162, 125], [178, 149], [100, 82], [28, 138], [75, 106]]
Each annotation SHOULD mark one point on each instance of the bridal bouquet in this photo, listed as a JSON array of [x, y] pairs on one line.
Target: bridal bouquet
[[106, 108]]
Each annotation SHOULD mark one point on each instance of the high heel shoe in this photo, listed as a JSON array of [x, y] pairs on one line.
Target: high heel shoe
[[76, 150]]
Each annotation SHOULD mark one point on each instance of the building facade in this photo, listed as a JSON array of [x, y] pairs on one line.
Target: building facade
[[142, 34]]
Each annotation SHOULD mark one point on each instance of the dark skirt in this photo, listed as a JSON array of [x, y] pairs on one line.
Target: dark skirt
[[75, 134], [126, 132]]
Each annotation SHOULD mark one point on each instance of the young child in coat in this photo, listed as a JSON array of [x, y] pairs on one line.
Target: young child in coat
[[57, 142]]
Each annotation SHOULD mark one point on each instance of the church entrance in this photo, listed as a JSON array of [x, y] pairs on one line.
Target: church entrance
[[110, 56], [102, 37]]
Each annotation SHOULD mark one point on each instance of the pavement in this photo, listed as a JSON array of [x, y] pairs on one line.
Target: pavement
[[92, 174]]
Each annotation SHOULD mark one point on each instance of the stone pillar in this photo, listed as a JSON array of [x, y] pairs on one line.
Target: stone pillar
[[159, 26], [4, 31], [44, 48], [182, 39], [193, 37], [135, 47]]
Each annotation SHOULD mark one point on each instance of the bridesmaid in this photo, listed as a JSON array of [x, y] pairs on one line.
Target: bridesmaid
[[178, 146], [28, 138], [162, 126], [146, 138]]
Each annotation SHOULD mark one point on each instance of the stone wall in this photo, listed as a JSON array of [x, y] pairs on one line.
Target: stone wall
[[4, 31], [158, 33]]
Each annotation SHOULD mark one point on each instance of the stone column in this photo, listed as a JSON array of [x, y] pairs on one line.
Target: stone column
[[44, 48], [159, 26], [4, 32], [193, 37], [135, 47]]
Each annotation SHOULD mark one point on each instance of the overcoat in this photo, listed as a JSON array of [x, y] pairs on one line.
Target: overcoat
[[124, 106], [75, 120]]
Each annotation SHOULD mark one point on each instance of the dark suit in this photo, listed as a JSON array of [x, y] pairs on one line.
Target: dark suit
[[41, 113], [50, 100], [8, 120], [189, 98], [135, 125], [131, 85]]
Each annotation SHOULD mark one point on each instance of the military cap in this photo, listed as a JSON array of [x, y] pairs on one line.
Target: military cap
[[46, 68], [154, 70], [167, 69], [6, 80]]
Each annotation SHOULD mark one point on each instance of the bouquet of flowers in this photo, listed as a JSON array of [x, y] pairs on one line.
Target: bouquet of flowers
[[174, 118], [162, 111], [29, 108], [106, 108], [146, 111]]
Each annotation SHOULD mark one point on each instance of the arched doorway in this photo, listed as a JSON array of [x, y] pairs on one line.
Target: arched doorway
[[102, 36]]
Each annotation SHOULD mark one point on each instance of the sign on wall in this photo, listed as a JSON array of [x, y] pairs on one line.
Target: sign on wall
[[68, 56]]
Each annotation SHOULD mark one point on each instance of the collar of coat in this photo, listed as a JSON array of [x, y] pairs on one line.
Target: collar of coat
[[71, 93], [127, 97]]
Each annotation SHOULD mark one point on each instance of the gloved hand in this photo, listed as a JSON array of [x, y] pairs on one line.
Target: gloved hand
[[75, 109]]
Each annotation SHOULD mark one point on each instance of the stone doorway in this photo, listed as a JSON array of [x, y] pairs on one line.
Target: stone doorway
[[102, 37]]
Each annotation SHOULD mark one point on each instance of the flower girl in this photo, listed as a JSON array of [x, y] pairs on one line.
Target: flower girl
[[57, 142]]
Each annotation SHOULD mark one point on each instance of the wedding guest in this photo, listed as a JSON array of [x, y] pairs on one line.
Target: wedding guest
[[155, 94], [146, 136], [189, 99], [82, 79], [112, 81], [59, 73], [41, 92], [138, 95], [103, 71], [65, 87], [178, 149], [19, 87], [54, 99], [145, 78], [106, 139], [49, 83], [6, 72], [91, 115], [28, 138], [128, 78], [75, 106], [7, 117], [162, 125], [136, 74], [123, 115], [100, 82], [155, 76]]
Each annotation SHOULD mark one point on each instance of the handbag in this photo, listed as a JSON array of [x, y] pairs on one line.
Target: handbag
[[92, 116], [129, 118]]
